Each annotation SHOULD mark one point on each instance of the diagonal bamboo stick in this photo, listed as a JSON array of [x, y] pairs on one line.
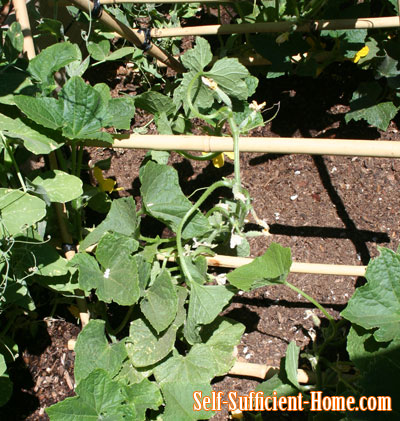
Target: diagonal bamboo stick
[[131, 35], [278, 145]]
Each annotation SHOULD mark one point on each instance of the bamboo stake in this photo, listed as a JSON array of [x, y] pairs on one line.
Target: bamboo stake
[[106, 2], [21, 14], [262, 371], [297, 267], [265, 27], [131, 35], [278, 145]]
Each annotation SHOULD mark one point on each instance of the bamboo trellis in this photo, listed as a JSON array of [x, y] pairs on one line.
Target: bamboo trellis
[[278, 145]]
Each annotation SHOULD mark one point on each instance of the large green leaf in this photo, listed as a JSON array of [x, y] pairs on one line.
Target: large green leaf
[[51, 59], [99, 398], [144, 395], [118, 281], [379, 370], [47, 111], [377, 303], [84, 111], [206, 360], [198, 57], [160, 302], [179, 401], [19, 211], [145, 347], [59, 186], [121, 219], [99, 50], [93, 351], [365, 105], [270, 268], [35, 141], [14, 42], [155, 103], [164, 200]]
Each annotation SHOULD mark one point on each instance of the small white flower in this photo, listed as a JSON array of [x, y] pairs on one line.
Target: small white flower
[[221, 279], [107, 273], [254, 106]]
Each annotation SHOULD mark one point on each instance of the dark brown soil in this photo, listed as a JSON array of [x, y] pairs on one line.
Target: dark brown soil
[[326, 209]]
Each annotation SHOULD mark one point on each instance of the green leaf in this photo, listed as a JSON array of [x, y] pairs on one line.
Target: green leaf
[[51, 59], [35, 141], [164, 200], [229, 74], [292, 362], [144, 395], [46, 111], [377, 303], [60, 186], [99, 50], [121, 52], [121, 219], [84, 110], [206, 360], [19, 211], [205, 303], [198, 57], [276, 384], [120, 112], [52, 27], [144, 346], [6, 386], [31, 253], [155, 103], [99, 398], [179, 401], [160, 302], [118, 281], [93, 351], [270, 268], [364, 105], [14, 42], [378, 364]]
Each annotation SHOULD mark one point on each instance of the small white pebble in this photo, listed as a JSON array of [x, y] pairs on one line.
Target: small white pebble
[[240, 292], [334, 169], [358, 256], [297, 172], [294, 197], [245, 349], [248, 356], [379, 198]]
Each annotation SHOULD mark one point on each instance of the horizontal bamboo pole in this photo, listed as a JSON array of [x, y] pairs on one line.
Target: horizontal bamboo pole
[[108, 2], [265, 27], [297, 267], [279, 145], [262, 371], [131, 35]]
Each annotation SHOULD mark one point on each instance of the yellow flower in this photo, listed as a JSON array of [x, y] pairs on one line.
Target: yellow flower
[[105, 184], [219, 160], [362, 53]]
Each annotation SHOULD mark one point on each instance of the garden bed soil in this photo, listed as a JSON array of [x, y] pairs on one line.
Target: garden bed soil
[[326, 209]]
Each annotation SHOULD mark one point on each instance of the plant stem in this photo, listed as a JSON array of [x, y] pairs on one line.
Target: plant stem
[[11, 153], [309, 298], [73, 158], [61, 160], [80, 158], [189, 213], [125, 320]]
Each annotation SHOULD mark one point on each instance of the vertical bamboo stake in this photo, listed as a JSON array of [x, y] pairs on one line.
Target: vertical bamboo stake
[[22, 17]]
